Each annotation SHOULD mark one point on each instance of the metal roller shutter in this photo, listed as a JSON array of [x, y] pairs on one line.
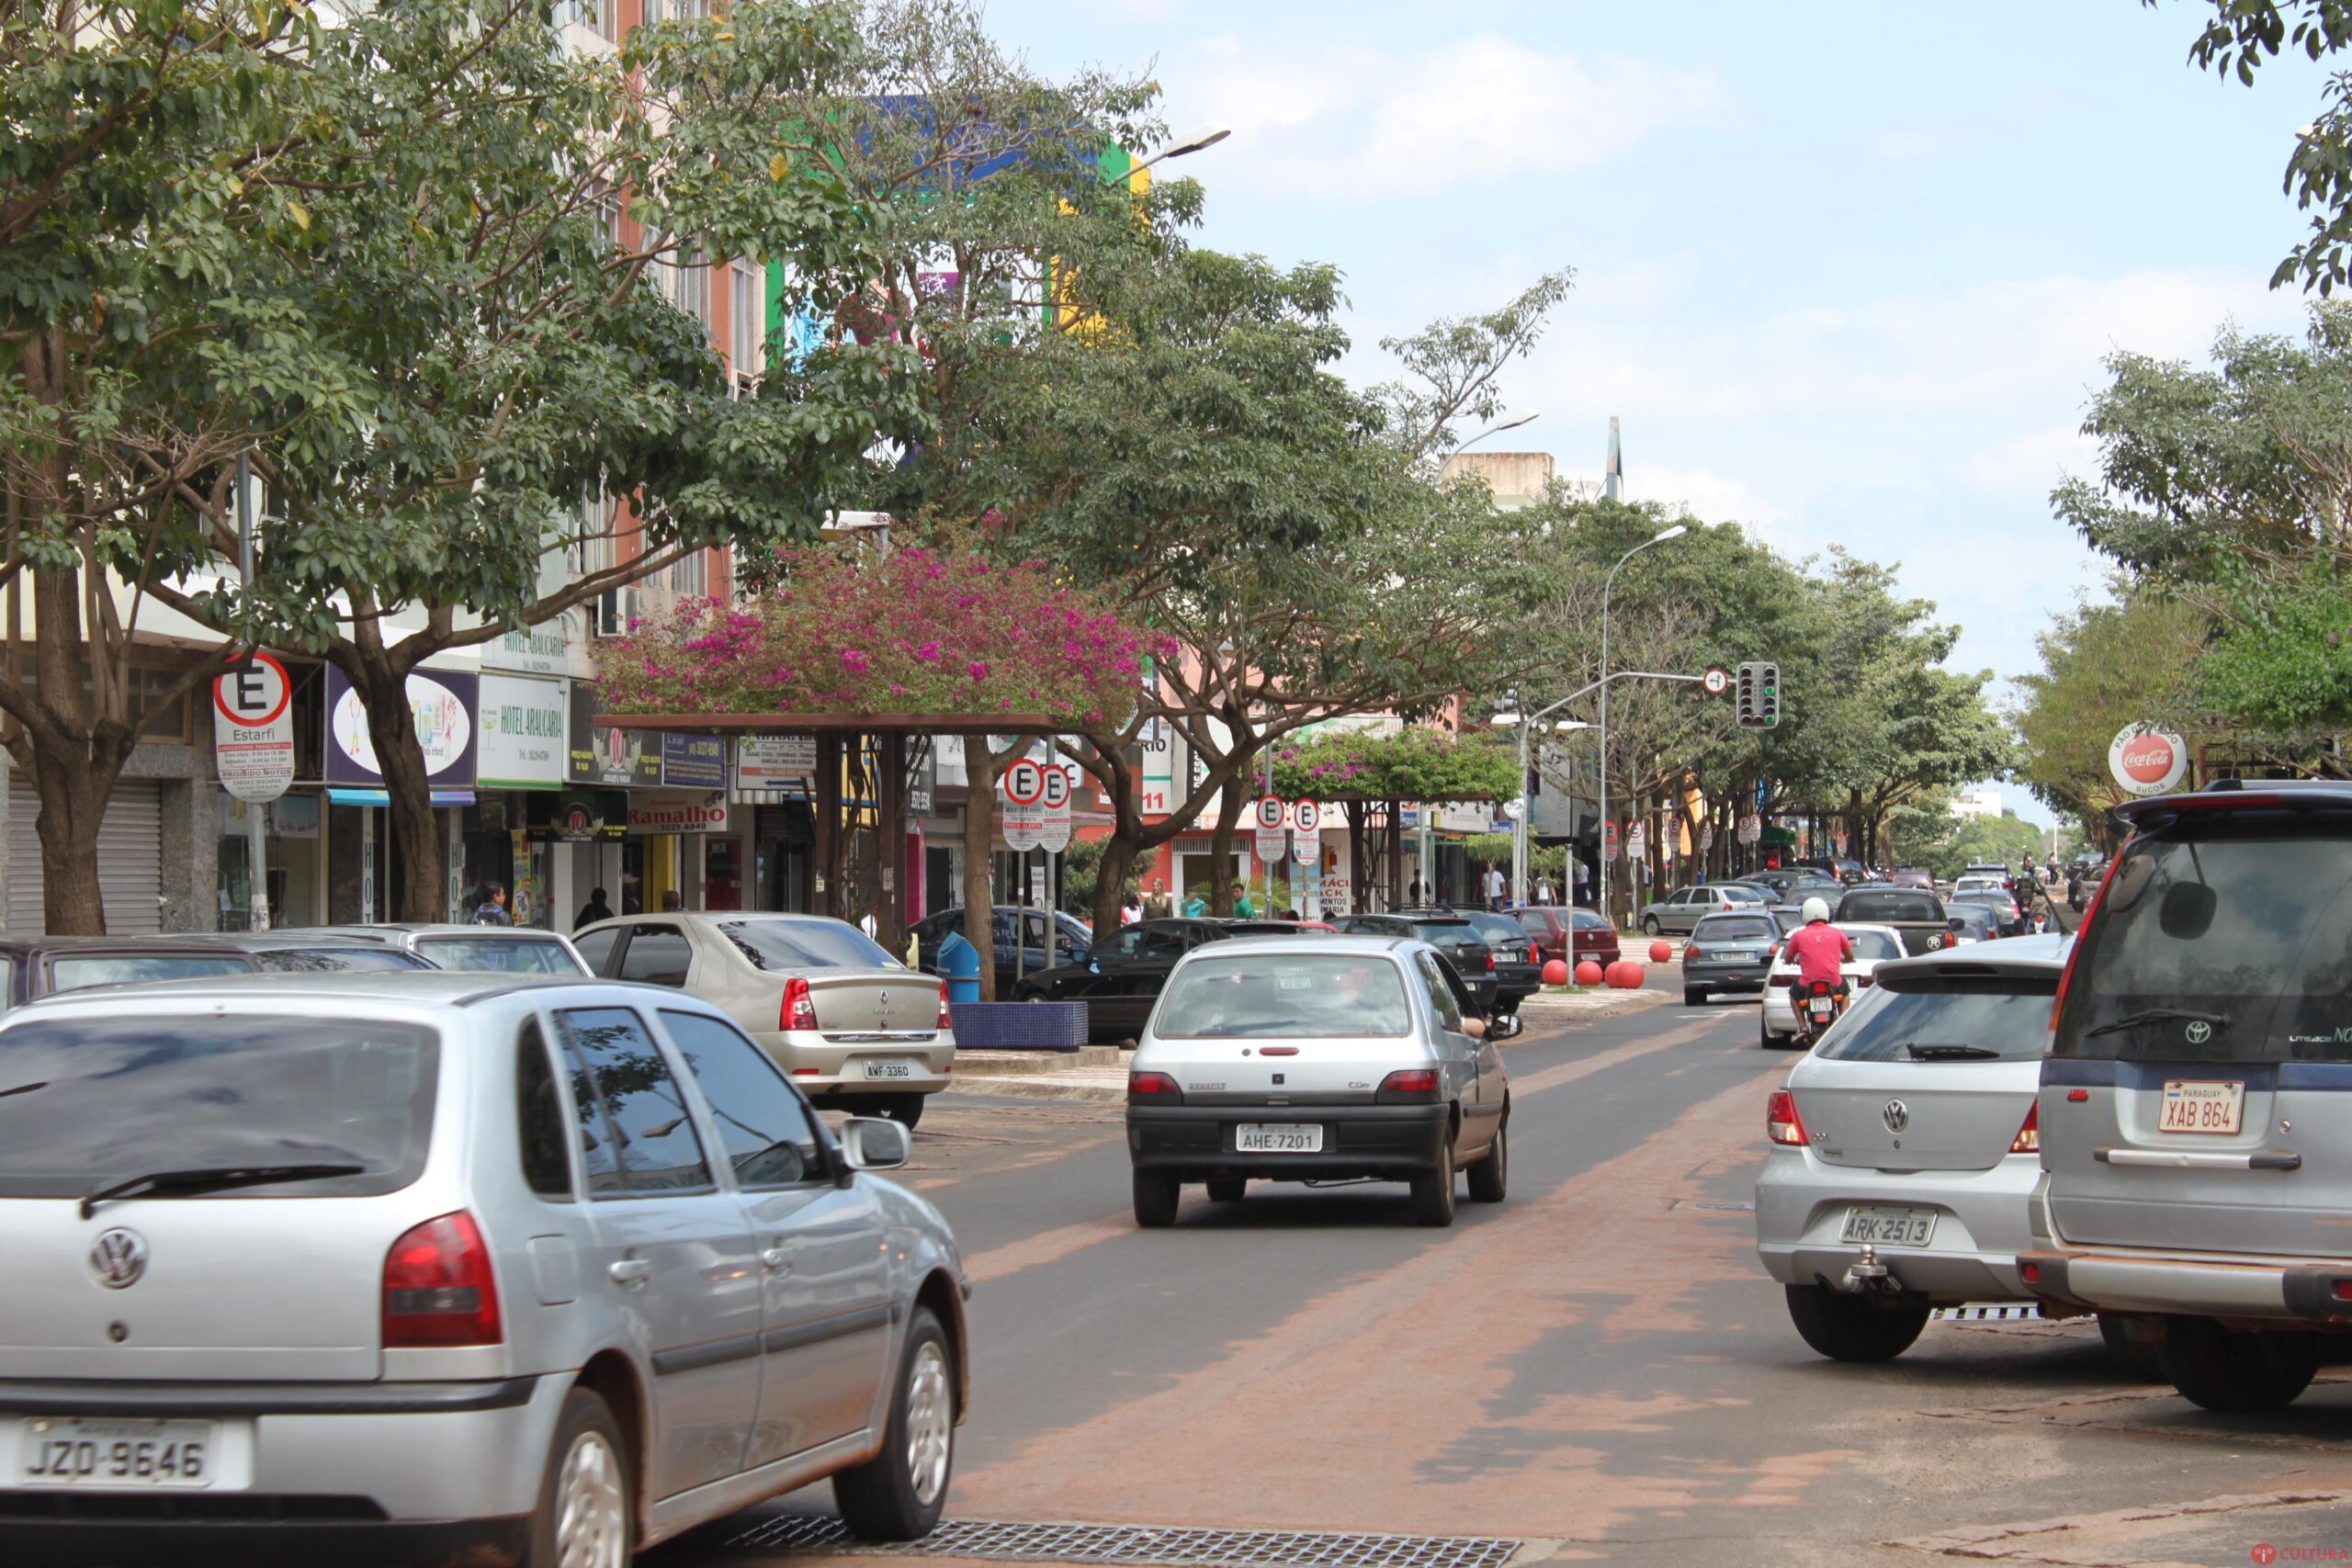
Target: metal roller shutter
[[131, 859]]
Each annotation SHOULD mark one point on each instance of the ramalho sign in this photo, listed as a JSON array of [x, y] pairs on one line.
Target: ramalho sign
[[2147, 760]]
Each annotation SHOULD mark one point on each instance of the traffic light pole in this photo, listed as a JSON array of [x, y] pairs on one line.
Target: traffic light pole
[[1527, 723]]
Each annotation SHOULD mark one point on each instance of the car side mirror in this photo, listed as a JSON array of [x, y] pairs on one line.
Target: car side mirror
[[873, 1143], [1956, 923], [1476, 1028]]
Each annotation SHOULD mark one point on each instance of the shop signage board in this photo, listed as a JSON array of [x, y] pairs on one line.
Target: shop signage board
[[2146, 758], [443, 704], [605, 754], [522, 743], [775, 762], [253, 728], [693, 762], [688, 811]]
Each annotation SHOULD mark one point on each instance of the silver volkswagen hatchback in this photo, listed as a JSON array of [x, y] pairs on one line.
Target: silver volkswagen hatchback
[[1271, 1059], [447, 1266]]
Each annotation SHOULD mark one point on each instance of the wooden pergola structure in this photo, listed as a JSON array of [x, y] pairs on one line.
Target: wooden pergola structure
[[834, 733]]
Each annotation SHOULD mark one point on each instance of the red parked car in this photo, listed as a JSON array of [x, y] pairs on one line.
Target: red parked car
[[1552, 926]]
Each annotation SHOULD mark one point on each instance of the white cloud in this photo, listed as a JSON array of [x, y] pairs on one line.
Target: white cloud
[[1345, 122]]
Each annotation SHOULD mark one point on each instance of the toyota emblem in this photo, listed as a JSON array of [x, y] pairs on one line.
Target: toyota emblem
[[1897, 1115], [2198, 1033], [118, 1258]]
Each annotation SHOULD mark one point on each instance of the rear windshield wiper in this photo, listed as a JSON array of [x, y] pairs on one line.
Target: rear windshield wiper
[[211, 1179], [1951, 1053], [23, 1088], [2157, 1015]]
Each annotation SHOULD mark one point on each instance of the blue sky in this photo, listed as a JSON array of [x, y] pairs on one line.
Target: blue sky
[[1845, 271]]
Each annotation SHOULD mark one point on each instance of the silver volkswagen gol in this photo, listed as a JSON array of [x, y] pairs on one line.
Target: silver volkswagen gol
[[854, 1027], [2197, 1104], [447, 1268], [1349, 1058], [1905, 1149]]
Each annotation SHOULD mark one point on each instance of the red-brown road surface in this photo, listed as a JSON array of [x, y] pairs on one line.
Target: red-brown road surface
[[1597, 1366]]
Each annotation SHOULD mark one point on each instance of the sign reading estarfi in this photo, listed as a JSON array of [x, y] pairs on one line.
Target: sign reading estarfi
[[253, 728]]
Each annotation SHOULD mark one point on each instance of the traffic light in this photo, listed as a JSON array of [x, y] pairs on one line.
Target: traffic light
[[1759, 689]]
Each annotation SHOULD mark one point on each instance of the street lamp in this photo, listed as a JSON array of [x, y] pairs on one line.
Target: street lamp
[[1525, 725], [1208, 135], [1674, 533], [1510, 421]]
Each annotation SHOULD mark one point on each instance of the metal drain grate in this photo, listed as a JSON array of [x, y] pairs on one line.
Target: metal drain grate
[[1144, 1544], [2015, 1311]]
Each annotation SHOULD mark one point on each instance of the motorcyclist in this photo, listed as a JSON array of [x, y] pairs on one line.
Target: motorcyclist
[[1821, 951]]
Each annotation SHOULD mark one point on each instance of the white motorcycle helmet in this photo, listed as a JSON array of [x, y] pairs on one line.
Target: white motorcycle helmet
[[1815, 909]]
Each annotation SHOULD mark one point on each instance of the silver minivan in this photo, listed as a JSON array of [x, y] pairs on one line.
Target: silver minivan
[[2196, 1108], [1267, 1058], [452, 1266]]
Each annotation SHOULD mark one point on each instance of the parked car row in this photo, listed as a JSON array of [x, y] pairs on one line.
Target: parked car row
[[2146, 1123]]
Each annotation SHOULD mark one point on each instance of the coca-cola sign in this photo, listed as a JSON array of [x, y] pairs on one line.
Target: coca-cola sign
[[2146, 760]]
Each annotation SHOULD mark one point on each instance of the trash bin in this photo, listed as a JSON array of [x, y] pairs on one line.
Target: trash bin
[[959, 964]]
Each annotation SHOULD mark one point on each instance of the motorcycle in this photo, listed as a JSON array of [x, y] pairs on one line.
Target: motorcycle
[[1819, 1005]]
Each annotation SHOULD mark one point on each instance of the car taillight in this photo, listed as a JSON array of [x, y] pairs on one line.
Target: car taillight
[[1408, 1085], [1534, 954], [1782, 1122], [1153, 1086], [1691, 950], [946, 1018], [2029, 1138], [1490, 960], [439, 1287], [800, 1008]]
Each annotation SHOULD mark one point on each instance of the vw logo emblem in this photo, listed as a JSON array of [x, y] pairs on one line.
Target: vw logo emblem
[[1897, 1115], [119, 1258], [2199, 1033]]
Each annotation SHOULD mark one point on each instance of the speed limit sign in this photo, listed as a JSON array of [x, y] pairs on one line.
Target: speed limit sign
[[1715, 683]]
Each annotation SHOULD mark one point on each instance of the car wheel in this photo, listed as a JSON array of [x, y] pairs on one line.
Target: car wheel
[[1228, 1189], [1853, 1328], [904, 1109], [1433, 1191], [587, 1498], [1649, 924], [2130, 1358], [1693, 997], [1156, 1193], [1490, 1177], [2224, 1369], [897, 1494]]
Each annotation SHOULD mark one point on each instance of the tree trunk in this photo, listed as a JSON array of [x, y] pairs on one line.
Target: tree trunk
[[1231, 801], [1395, 856], [980, 857], [73, 803], [1110, 881], [420, 891], [1359, 874]]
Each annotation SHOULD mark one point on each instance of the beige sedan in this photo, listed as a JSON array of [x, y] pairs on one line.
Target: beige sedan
[[852, 1026]]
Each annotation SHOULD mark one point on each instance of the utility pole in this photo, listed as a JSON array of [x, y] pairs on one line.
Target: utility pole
[[256, 811]]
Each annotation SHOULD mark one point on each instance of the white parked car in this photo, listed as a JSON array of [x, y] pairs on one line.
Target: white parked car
[[1777, 1024], [1979, 882]]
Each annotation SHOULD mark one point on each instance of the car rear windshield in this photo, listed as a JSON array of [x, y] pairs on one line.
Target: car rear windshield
[[2247, 924], [2005, 1015], [1445, 933], [89, 1102], [1312, 996], [1874, 947], [1890, 907], [1500, 931], [1737, 928], [517, 956], [126, 968], [806, 944], [326, 960]]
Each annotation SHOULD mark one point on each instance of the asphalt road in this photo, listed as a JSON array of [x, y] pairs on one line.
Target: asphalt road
[[1598, 1366]]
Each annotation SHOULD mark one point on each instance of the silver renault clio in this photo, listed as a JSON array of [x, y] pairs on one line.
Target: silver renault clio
[[448, 1266]]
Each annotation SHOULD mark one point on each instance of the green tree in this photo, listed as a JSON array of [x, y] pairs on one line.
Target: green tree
[[2103, 667], [152, 233], [460, 236]]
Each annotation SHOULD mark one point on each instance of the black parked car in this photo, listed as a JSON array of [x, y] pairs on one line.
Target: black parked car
[[1519, 967], [1455, 939], [1064, 940], [1122, 979]]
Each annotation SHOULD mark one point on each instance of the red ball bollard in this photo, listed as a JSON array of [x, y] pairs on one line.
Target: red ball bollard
[[1589, 973], [1626, 976], [1661, 952], [1556, 973]]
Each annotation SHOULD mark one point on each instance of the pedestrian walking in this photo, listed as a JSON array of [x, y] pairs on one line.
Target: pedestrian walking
[[1583, 875], [492, 910], [1242, 907], [594, 910], [1413, 890], [1196, 906], [1495, 886], [1544, 890], [1130, 910]]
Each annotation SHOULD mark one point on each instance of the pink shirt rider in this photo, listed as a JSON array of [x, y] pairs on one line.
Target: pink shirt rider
[[1820, 950]]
